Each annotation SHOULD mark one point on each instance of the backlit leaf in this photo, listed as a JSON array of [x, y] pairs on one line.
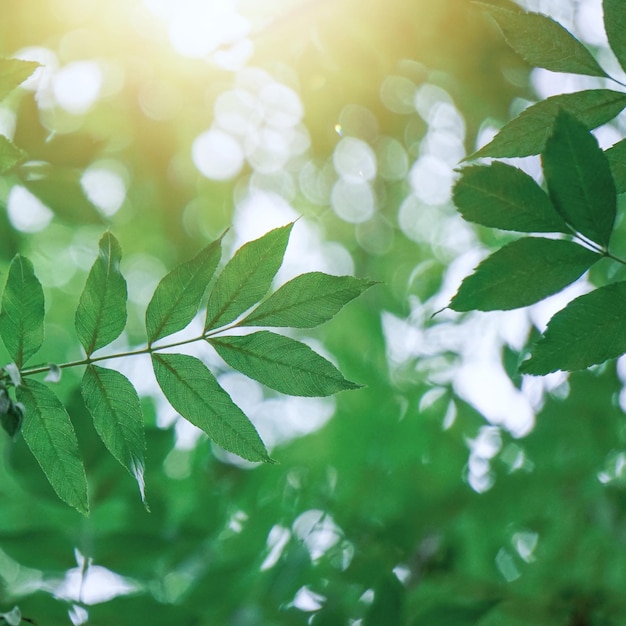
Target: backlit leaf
[[101, 313], [195, 393], [589, 330], [22, 314], [307, 301], [116, 411], [10, 154], [616, 155], [579, 179], [246, 277], [282, 364], [176, 299], [13, 72], [49, 434], [615, 26], [505, 197], [521, 273]]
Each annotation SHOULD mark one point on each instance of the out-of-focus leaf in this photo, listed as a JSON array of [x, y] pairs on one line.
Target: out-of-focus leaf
[[542, 42], [307, 301], [246, 277], [616, 155], [49, 434], [615, 26], [195, 393], [528, 132], [589, 330], [10, 154], [22, 314], [522, 273], [177, 297], [114, 405], [13, 72], [467, 614], [101, 314], [282, 364], [505, 197], [388, 606], [579, 179]]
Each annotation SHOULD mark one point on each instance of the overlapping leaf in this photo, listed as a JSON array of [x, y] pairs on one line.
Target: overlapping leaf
[[22, 313], [616, 155], [307, 301], [246, 277], [10, 154], [615, 26], [101, 313], [522, 273], [282, 364], [13, 72], [195, 393], [49, 434]]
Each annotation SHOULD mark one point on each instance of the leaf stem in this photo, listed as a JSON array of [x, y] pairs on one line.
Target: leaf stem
[[608, 255]]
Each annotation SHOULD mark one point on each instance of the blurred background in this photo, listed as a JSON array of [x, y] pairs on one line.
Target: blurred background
[[449, 491]]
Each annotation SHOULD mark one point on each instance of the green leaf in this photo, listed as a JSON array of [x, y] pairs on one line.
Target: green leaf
[[114, 406], [616, 155], [528, 132], [49, 434], [13, 72], [176, 299], [307, 301], [522, 273], [246, 277], [22, 314], [615, 26], [502, 196], [282, 364], [10, 154], [542, 42], [579, 179], [101, 313], [193, 391], [589, 330]]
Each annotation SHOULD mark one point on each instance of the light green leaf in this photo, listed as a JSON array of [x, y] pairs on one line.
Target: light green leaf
[[615, 26], [307, 301], [14, 72], [49, 434], [522, 273], [502, 196], [589, 330], [177, 297], [114, 406], [193, 391], [22, 314], [282, 364], [616, 155], [528, 132], [246, 277], [101, 313], [542, 42], [579, 179], [10, 154]]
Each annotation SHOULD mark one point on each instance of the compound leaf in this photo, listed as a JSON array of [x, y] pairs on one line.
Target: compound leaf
[[615, 26], [114, 406], [589, 330], [246, 277], [505, 197], [307, 300], [195, 393], [616, 155], [522, 273], [13, 72], [22, 314], [579, 179], [101, 313], [282, 364], [10, 154], [49, 434], [177, 297]]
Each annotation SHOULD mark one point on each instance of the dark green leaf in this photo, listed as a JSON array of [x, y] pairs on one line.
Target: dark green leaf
[[49, 434], [615, 26], [528, 132], [22, 314], [307, 301], [14, 72], [542, 42], [177, 297], [502, 196], [10, 154], [521, 273], [589, 330], [579, 179], [616, 155], [193, 391], [282, 364], [101, 314], [116, 411], [246, 277]]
